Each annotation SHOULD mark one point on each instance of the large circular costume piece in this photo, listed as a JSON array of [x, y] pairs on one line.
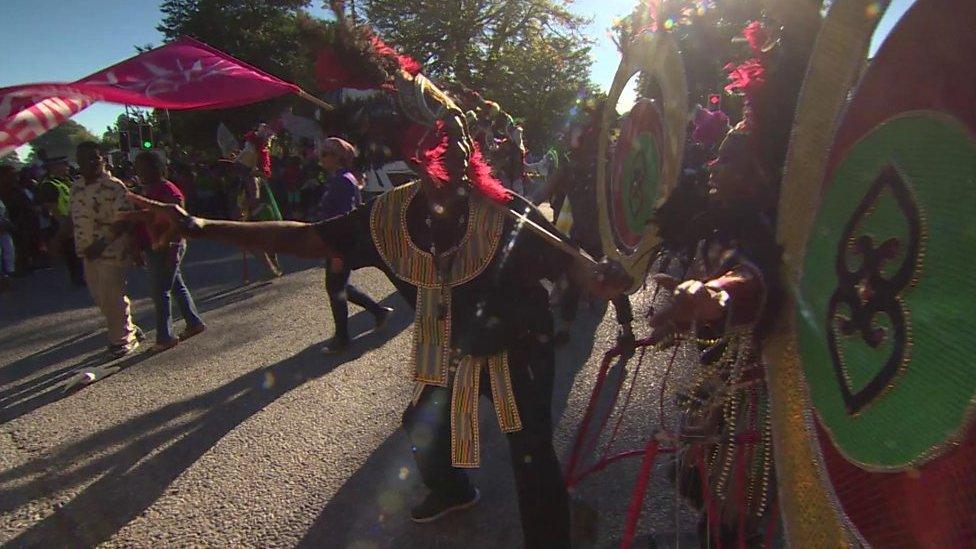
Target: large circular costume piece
[[635, 175], [646, 161], [881, 333]]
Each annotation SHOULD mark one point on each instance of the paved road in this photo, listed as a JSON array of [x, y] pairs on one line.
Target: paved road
[[248, 435]]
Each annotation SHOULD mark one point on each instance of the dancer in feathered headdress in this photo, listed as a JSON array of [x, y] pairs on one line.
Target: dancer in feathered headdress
[[451, 245], [252, 165]]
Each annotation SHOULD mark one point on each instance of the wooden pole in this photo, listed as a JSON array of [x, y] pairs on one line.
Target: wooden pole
[[545, 233], [312, 99]]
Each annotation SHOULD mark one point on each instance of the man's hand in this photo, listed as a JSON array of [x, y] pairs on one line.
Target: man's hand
[[608, 280], [96, 249], [165, 222], [693, 301]]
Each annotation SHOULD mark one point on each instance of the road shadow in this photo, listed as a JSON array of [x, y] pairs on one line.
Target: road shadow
[[61, 383], [137, 460], [22, 374], [371, 509], [571, 357], [72, 347]]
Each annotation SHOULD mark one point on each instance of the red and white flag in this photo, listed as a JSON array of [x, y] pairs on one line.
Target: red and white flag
[[185, 74]]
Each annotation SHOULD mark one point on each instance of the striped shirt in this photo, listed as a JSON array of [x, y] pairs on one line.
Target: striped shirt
[[94, 209]]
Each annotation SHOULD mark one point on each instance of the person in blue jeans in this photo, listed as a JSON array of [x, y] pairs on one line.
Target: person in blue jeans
[[165, 276], [342, 195]]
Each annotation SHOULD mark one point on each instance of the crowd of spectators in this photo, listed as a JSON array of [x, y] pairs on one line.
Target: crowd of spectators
[[33, 209]]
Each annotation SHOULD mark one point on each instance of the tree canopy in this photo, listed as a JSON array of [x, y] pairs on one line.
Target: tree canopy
[[532, 56], [60, 141]]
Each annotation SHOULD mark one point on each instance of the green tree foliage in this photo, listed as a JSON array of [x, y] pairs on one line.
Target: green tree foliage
[[61, 141], [530, 56], [706, 38], [267, 35]]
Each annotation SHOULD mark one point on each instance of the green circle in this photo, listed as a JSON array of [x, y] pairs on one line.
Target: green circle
[[926, 404], [642, 169]]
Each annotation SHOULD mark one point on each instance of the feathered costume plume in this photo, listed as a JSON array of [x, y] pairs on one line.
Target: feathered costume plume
[[436, 141]]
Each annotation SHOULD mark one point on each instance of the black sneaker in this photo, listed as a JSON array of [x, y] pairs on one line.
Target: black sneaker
[[382, 318], [434, 507], [625, 338], [336, 345]]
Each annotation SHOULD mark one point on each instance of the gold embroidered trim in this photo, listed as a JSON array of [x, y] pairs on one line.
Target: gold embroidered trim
[[388, 227], [502, 394], [465, 439], [432, 319], [432, 336]]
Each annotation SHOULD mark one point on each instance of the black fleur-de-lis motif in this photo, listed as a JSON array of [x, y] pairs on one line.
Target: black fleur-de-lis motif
[[868, 294]]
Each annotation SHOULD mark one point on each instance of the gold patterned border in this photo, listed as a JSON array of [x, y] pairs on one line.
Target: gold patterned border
[[388, 227], [811, 514], [655, 55], [465, 436], [503, 394]]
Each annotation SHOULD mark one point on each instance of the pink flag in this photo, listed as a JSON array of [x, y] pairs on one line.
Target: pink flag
[[185, 74]]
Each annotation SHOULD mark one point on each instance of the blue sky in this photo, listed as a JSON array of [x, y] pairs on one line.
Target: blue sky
[[63, 40]]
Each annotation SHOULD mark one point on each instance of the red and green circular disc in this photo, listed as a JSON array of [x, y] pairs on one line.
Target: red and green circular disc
[[868, 392], [635, 174], [878, 232], [886, 295]]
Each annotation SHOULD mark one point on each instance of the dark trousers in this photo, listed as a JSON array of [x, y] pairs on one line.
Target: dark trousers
[[543, 502], [74, 263], [28, 250], [340, 291]]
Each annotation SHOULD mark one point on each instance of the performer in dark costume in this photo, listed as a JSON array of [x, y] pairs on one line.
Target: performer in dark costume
[[730, 294], [450, 245], [575, 182]]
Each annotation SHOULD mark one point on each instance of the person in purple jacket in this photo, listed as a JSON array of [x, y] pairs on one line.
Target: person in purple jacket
[[342, 195]]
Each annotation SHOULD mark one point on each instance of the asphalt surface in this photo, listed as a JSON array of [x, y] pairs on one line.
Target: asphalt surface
[[248, 435]]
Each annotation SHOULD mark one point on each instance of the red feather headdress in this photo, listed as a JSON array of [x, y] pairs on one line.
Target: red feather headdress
[[361, 60]]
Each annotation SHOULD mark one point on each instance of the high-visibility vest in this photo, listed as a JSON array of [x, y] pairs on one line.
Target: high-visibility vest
[[63, 189]]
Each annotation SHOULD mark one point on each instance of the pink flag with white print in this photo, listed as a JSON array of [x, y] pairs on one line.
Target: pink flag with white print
[[185, 74]]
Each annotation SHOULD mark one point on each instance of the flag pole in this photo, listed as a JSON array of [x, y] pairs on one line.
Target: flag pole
[[311, 98]]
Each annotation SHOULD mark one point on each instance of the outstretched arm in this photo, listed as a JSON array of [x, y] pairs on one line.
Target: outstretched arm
[[286, 237], [169, 222]]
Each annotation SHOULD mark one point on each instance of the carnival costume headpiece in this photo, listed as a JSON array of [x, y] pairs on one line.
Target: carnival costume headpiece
[[436, 140], [769, 82], [256, 153]]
